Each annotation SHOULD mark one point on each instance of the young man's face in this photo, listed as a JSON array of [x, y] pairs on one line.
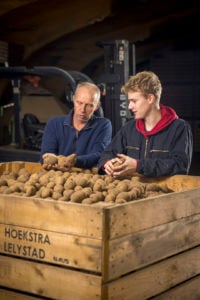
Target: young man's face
[[84, 104], [139, 105]]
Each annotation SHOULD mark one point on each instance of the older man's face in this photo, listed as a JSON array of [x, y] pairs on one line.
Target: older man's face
[[84, 104]]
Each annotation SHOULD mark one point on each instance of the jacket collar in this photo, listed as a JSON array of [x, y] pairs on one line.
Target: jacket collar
[[69, 118], [168, 115]]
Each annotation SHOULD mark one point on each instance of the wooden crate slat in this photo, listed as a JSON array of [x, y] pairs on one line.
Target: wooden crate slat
[[157, 278], [143, 248], [51, 247], [146, 213], [48, 281], [11, 295], [51, 215], [189, 290]]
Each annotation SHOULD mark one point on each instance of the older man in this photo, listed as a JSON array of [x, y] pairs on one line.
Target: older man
[[79, 132]]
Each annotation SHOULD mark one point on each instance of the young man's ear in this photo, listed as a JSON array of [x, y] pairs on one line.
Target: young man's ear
[[151, 98]]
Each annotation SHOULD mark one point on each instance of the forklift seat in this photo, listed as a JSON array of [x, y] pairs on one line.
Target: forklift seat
[[33, 131]]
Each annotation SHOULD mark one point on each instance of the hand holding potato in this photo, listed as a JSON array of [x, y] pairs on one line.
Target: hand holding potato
[[110, 165], [49, 160], [60, 162], [120, 166]]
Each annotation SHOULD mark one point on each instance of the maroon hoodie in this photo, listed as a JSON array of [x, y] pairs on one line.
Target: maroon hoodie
[[168, 115]]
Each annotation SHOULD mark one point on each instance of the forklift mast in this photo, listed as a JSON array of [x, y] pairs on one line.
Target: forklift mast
[[119, 64]]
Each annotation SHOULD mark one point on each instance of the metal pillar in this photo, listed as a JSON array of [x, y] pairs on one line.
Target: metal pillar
[[119, 57]]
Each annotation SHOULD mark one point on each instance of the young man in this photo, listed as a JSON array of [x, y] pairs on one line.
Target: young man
[[79, 132], [156, 142]]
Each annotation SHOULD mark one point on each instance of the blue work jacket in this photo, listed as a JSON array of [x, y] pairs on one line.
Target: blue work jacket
[[61, 138]]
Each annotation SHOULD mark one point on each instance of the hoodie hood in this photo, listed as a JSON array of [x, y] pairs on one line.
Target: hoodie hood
[[168, 115]]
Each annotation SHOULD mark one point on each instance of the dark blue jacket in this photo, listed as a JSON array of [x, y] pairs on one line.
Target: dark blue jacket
[[61, 138], [167, 152]]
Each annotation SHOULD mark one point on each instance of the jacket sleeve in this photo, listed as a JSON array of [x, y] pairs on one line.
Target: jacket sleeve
[[116, 146], [177, 161], [100, 140]]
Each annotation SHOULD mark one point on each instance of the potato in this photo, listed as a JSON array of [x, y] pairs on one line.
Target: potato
[[111, 194], [45, 192], [10, 181], [123, 186], [96, 197], [35, 176], [67, 161], [81, 180], [58, 188], [108, 179], [51, 173], [118, 163], [137, 191], [38, 193], [3, 188], [67, 194], [110, 197], [78, 196], [152, 187], [3, 182], [58, 173], [7, 190], [44, 179], [78, 188], [111, 185], [66, 175], [17, 187], [23, 178], [124, 195], [63, 198], [70, 183], [30, 190], [152, 194], [87, 191], [50, 159], [11, 175], [59, 180], [120, 200], [50, 184], [23, 171], [56, 195], [87, 201], [99, 185]]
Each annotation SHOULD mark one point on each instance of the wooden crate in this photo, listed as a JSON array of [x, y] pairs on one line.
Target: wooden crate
[[148, 248]]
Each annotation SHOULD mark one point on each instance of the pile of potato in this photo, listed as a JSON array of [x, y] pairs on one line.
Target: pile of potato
[[78, 187]]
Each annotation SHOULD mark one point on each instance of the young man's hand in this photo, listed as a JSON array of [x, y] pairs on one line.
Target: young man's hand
[[120, 166]]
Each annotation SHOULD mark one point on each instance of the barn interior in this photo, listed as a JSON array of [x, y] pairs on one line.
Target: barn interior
[[46, 47]]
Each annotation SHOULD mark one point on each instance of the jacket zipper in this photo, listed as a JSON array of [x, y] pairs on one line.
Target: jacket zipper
[[146, 144]]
